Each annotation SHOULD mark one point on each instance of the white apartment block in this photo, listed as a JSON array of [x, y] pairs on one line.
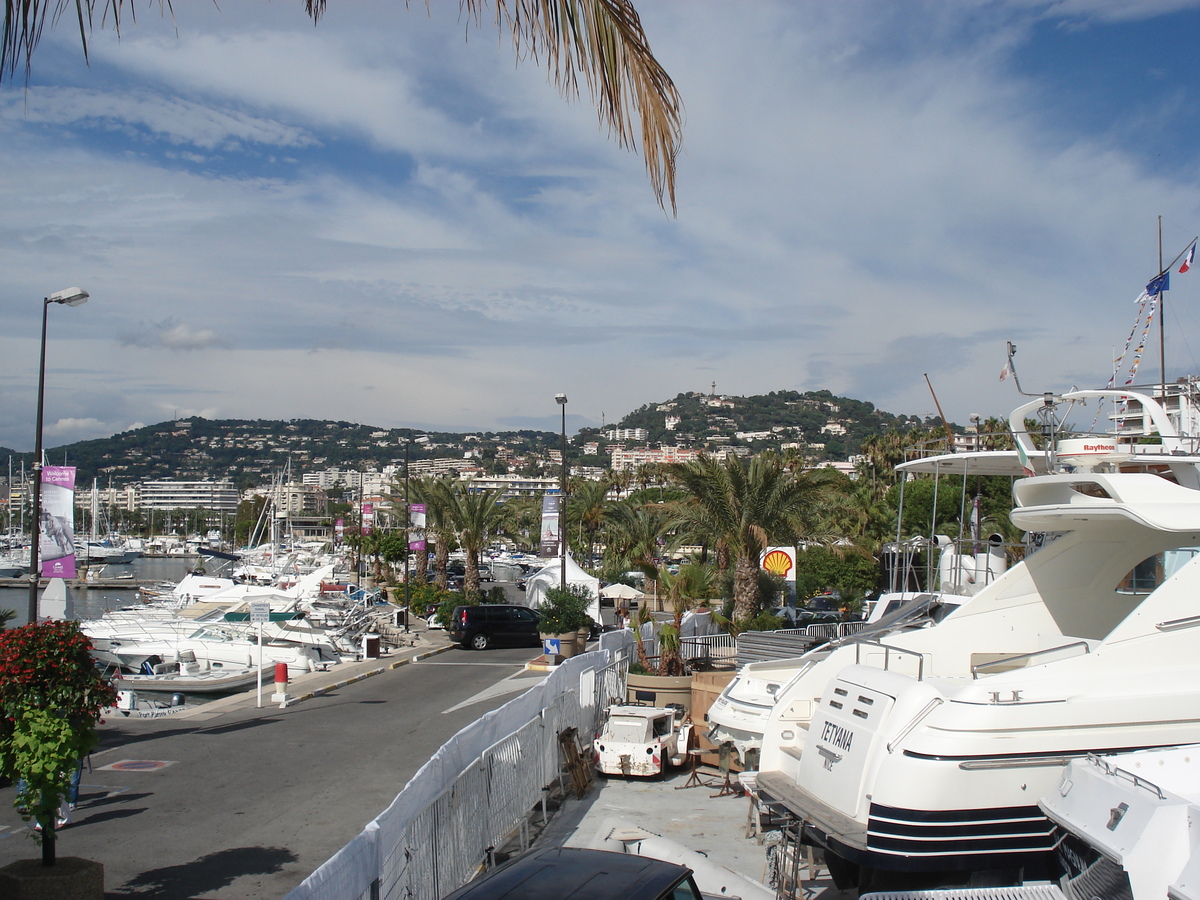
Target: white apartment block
[[218, 496], [626, 434], [629, 460]]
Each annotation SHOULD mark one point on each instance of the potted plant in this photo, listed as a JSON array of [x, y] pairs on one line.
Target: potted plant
[[51, 697], [667, 677], [563, 614]]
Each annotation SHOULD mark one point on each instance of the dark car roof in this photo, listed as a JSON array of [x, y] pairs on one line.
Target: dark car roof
[[577, 874]]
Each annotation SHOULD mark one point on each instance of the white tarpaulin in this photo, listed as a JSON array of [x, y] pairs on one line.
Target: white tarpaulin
[[549, 575]]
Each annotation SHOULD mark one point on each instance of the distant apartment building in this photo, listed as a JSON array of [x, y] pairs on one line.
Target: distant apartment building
[[445, 466], [218, 496], [626, 434], [630, 460], [514, 485]]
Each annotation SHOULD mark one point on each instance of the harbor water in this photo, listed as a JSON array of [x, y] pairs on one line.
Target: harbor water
[[91, 602]]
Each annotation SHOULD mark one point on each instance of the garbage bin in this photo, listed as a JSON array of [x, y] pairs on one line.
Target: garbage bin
[[402, 618], [370, 646]]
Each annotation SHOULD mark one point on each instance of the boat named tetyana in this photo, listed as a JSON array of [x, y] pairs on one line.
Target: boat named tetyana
[[924, 763]]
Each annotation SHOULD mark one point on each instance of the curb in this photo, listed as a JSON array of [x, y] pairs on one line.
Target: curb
[[317, 692]]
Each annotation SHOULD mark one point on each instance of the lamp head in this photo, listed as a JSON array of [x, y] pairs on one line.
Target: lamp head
[[72, 296], [560, 399]]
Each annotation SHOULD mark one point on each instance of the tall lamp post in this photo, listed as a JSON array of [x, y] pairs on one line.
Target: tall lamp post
[[70, 297], [561, 400], [407, 535]]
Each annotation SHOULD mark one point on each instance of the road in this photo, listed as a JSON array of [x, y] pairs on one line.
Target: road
[[243, 803]]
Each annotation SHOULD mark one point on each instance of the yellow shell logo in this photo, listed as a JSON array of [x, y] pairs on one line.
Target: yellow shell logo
[[777, 563]]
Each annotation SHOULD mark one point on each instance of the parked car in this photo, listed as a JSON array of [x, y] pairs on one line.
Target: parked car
[[821, 609], [479, 627], [584, 875]]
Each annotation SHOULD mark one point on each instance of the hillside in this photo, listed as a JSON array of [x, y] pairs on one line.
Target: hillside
[[821, 425]]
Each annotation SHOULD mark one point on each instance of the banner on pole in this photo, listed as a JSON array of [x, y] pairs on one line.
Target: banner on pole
[[368, 517], [416, 527], [58, 522], [551, 507]]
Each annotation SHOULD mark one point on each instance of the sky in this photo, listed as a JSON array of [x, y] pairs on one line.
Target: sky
[[387, 219]]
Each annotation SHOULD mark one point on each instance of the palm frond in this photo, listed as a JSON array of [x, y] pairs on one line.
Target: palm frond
[[599, 41]]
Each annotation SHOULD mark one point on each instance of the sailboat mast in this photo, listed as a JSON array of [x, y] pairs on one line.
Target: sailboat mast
[[1162, 317]]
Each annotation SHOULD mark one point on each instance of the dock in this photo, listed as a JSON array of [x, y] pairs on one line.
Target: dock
[[105, 584]]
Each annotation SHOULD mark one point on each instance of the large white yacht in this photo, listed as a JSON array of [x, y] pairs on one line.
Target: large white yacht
[[740, 713], [926, 761]]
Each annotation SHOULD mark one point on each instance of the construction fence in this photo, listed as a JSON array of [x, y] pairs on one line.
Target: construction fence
[[475, 794]]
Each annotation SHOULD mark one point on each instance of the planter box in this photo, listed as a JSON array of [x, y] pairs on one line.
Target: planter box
[[659, 690], [567, 643]]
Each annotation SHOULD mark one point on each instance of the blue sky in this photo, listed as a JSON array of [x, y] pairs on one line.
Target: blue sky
[[375, 220]]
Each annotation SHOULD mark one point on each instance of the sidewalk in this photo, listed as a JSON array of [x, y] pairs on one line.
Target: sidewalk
[[305, 686]]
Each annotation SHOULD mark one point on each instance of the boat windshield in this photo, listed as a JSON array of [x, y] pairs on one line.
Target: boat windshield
[[211, 633]]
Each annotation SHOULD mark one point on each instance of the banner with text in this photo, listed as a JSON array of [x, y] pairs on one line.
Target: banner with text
[[58, 522], [551, 505], [416, 527], [368, 517]]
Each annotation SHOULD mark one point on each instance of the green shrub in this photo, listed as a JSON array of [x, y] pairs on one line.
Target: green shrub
[[565, 609]]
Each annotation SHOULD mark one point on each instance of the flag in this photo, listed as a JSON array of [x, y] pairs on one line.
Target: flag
[[1005, 372], [1187, 263], [1159, 284]]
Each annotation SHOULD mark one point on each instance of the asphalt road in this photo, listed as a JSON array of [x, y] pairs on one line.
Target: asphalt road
[[243, 803]]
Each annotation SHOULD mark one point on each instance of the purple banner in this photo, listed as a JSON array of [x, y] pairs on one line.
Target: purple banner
[[551, 504], [416, 527], [58, 522], [368, 517]]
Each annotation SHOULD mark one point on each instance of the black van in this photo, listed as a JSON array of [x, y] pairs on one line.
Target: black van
[[479, 627], [582, 875]]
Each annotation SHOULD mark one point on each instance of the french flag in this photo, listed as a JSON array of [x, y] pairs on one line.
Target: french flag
[[1187, 263]]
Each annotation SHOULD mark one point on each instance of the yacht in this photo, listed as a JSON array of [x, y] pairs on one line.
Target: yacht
[[901, 617], [923, 761]]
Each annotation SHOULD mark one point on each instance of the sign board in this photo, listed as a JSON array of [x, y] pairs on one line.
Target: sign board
[[551, 646], [260, 610]]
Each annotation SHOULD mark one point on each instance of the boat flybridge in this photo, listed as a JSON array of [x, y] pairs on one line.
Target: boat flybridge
[[740, 713], [922, 762]]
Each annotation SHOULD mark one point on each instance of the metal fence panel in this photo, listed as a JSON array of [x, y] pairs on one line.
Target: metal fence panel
[[437, 848]]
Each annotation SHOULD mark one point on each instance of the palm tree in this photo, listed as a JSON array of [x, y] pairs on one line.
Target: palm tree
[[750, 507], [586, 506], [637, 535], [691, 584], [431, 492], [474, 515], [599, 42]]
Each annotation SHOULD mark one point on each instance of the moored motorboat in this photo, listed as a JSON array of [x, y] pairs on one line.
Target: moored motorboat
[[928, 766]]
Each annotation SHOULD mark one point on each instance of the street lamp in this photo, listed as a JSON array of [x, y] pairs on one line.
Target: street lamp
[[70, 297], [407, 536], [561, 400]]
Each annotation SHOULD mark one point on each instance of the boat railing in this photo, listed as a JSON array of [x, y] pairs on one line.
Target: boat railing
[[1171, 624], [1117, 772], [888, 652], [1076, 648]]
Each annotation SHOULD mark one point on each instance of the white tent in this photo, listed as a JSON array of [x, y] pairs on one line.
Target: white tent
[[549, 575]]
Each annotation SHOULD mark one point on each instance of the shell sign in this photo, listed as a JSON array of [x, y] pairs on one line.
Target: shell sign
[[780, 561]]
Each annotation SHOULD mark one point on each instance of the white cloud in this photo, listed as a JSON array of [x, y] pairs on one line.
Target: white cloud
[[369, 220]]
